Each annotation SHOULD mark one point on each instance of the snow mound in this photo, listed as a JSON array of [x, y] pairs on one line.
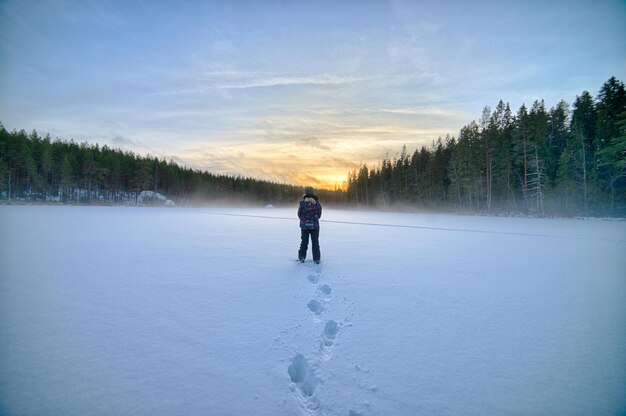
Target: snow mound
[[154, 198]]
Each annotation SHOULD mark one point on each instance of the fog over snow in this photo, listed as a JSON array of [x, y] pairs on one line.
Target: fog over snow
[[157, 311]]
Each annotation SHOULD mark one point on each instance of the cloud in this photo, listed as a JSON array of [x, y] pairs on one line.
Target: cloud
[[222, 82], [179, 161], [119, 140], [417, 111], [315, 142], [306, 179], [315, 80]]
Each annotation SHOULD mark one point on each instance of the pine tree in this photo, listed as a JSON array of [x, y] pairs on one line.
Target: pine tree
[[47, 165], [583, 126], [557, 136], [572, 175], [536, 182], [4, 176], [521, 149], [613, 158], [462, 170], [611, 105], [584, 115], [67, 178], [142, 178]]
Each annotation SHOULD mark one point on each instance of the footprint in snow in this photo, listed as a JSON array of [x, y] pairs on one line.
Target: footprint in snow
[[304, 381], [325, 289], [313, 278], [331, 329], [315, 307]]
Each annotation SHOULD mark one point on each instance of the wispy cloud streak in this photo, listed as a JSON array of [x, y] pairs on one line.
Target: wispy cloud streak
[[316, 80]]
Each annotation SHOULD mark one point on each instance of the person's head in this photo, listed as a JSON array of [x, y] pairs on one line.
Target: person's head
[[308, 190]]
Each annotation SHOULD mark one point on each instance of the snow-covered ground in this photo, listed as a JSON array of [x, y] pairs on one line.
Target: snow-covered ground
[[156, 311]]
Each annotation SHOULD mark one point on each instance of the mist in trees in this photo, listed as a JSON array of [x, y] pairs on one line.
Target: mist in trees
[[538, 161]]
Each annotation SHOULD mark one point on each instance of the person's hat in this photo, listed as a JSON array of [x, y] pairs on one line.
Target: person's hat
[[308, 190]]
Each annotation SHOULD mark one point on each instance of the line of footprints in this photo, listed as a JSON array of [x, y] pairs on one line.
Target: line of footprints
[[301, 371]]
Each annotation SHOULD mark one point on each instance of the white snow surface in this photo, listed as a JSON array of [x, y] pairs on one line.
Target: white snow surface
[[179, 311]]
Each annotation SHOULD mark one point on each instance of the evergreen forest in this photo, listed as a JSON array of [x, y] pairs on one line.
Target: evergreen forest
[[35, 168], [560, 161]]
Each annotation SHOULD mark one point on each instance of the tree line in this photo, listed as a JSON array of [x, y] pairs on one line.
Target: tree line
[[538, 161], [36, 168]]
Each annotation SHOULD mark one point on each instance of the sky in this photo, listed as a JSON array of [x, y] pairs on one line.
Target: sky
[[296, 92]]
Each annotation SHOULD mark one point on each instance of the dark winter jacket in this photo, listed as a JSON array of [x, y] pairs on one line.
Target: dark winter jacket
[[310, 212]]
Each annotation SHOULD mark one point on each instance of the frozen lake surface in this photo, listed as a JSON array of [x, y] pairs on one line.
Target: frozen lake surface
[[149, 311]]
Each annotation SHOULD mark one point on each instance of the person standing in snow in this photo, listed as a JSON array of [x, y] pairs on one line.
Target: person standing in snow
[[310, 212]]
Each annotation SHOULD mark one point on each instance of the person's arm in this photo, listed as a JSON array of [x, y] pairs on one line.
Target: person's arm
[[319, 210], [300, 211]]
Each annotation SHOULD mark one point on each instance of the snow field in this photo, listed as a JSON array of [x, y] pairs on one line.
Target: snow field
[[153, 311]]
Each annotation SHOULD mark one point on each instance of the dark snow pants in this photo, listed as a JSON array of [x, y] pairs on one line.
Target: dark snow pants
[[315, 238]]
